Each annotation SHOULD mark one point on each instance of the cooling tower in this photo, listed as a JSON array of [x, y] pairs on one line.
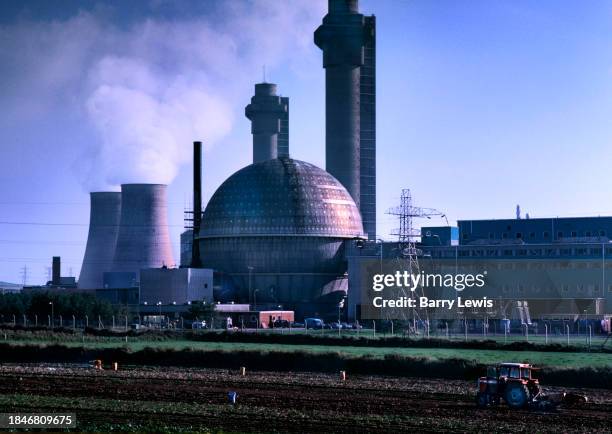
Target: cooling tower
[[143, 240], [105, 210]]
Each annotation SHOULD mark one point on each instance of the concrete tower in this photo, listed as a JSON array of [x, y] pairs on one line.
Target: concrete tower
[[104, 215], [143, 240], [269, 116], [347, 39]]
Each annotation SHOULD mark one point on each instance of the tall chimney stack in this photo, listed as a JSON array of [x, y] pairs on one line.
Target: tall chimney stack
[[56, 271], [196, 260], [269, 116], [347, 39], [104, 215]]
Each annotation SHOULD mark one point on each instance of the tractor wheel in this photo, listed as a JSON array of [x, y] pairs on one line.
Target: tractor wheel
[[516, 395], [482, 399]]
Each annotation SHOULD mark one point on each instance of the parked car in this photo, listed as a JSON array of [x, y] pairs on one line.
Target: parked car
[[314, 323], [198, 325]]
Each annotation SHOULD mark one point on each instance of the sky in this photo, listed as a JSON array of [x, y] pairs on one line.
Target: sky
[[481, 105]]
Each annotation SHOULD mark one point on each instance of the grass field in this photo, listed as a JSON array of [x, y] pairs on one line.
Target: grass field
[[481, 356]]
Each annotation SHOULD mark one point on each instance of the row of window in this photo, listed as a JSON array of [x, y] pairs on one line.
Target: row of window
[[521, 251], [545, 235], [565, 288], [552, 265]]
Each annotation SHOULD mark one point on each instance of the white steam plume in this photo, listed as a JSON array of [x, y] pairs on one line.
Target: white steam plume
[[144, 90]]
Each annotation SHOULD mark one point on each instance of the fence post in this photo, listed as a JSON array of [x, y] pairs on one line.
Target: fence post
[[505, 332], [567, 327], [545, 333]]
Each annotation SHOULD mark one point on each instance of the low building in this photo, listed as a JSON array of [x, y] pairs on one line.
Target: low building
[[176, 285]]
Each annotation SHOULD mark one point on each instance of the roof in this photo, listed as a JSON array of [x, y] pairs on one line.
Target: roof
[[281, 197], [518, 365]]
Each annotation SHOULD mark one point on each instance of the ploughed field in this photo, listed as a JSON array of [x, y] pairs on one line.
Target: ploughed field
[[196, 399]]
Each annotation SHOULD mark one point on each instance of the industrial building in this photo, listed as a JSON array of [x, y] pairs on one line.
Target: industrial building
[[278, 227], [171, 286], [545, 268], [558, 265]]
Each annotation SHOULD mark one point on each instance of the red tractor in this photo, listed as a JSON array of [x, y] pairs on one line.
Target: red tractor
[[514, 383], [511, 381]]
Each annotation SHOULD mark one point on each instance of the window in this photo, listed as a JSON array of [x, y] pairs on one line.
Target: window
[[587, 234], [491, 236], [602, 233], [504, 235], [519, 235], [532, 235], [546, 234], [574, 234], [610, 289], [559, 234], [596, 288]]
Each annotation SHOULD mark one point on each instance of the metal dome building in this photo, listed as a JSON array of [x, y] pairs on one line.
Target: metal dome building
[[278, 227]]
